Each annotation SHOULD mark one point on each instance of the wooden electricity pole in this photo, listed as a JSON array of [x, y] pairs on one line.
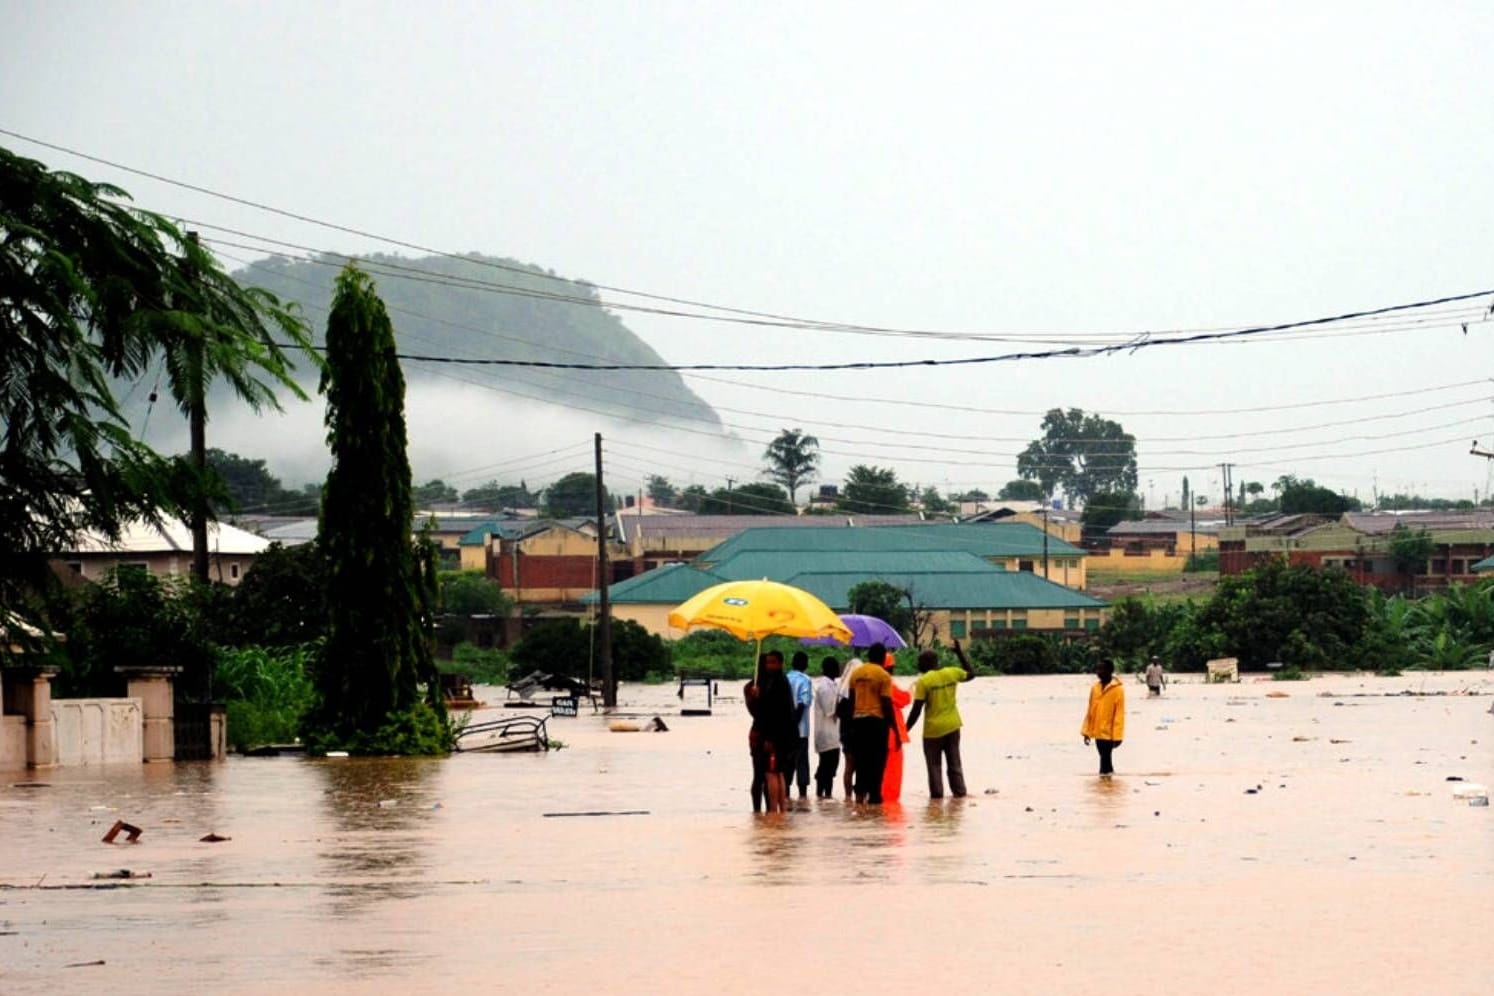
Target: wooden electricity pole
[[197, 515], [604, 577]]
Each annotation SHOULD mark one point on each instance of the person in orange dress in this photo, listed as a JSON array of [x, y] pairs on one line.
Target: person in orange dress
[[892, 775]]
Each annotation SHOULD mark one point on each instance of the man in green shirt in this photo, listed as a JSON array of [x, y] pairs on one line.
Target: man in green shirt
[[937, 686]]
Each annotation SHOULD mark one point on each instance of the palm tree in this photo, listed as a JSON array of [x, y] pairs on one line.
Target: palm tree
[[793, 458]]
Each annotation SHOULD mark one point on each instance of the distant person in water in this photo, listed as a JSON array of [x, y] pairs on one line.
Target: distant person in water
[[802, 690], [773, 735], [936, 687], [1105, 720], [826, 728], [1155, 679], [873, 724]]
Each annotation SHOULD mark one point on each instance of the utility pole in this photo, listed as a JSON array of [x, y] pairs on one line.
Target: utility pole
[[197, 515], [1193, 529], [1045, 544], [1229, 518], [604, 577]]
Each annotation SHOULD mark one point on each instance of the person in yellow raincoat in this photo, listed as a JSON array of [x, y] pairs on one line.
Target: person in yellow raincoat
[[1105, 720], [897, 735]]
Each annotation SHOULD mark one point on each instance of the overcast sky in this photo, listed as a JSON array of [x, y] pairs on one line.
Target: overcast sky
[[985, 168]]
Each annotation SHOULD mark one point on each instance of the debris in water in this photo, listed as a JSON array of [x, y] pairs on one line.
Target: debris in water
[[131, 832], [212, 838], [123, 873], [602, 812], [85, 964]]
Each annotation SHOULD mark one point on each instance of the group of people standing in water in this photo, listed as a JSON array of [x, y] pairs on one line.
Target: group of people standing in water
[[858, 717]]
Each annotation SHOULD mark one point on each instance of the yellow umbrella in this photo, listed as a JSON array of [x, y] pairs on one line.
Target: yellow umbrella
[[751, 610]]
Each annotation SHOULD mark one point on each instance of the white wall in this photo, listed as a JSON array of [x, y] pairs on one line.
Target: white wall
[[98, 731]]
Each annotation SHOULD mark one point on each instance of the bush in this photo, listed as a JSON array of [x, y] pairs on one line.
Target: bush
[[564, 646], [1289, 674], [485, 666], [416, 731], [1023, 653], [1207, 560], [267, 692]]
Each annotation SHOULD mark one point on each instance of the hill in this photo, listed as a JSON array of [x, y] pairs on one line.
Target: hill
[[482, 307]]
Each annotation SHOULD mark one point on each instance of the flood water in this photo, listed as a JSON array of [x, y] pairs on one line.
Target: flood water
[[1351, 869]]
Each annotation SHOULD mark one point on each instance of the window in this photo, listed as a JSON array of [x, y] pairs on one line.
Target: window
[[136, 568], [76, 566], [1070, 622], [957, 628], [233, 570], [998, 624], [1019, 624], [1091, 624], [1024, 565]]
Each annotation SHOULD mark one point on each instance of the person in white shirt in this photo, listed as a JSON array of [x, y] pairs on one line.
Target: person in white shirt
[[826, 728]]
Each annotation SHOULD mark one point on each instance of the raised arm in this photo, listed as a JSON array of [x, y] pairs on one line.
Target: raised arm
[[964, 661]]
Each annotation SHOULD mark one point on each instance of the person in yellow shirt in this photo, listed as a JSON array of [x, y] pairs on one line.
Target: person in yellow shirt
[[1105, 721], [936, 686]]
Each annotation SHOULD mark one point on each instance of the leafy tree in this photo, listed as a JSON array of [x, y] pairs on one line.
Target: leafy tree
[[496, 496], [1082, 453], [471, 593], [933, 502], [1254, 489], [692, 498], [1020, 490], [758, 498], [377, 653], [873, 491], [660, 491], [793, 458], [1409, 551], [91, 289], [249, 484], [1308, 618], [1187, 494], [1306, 496], [283, 598], [433, 492], [573, 496], [1106, 508], [974, 494], [565, 646], [887, 602]]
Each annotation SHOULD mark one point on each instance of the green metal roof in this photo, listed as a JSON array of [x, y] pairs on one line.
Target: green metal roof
[[993, 539], [750, 564], [668, 585], [990, 590], [1487, 564]]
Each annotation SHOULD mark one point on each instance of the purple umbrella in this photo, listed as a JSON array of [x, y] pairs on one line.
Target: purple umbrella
[[865, 630]]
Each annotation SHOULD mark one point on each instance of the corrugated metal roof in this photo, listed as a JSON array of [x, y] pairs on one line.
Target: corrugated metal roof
[[750, 564], [171, 536], [1483, 566], [995, 539], [697, 525], [990, 590], [1160, 527], [667, 585], [1384, 522]]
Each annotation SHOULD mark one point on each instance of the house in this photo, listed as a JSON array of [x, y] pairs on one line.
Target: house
[[550, 563], [163, 549], [969, 579], [1360, 543], [1174, 536]]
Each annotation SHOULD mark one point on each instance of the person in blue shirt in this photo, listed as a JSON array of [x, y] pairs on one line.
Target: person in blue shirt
[[802, 688]]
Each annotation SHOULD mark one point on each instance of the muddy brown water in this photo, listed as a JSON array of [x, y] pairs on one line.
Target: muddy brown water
[[1351, 868]]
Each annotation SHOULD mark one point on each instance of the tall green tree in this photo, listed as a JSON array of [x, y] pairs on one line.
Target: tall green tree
[[1304, 495], [1082, 453], [1020, 490], [793, 458], [497, 496], [660, 491], [758, 498], [434, 492], [572, 496], [376, 654], [91, 289], [873, 491], [692, 498], [885, 601]]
